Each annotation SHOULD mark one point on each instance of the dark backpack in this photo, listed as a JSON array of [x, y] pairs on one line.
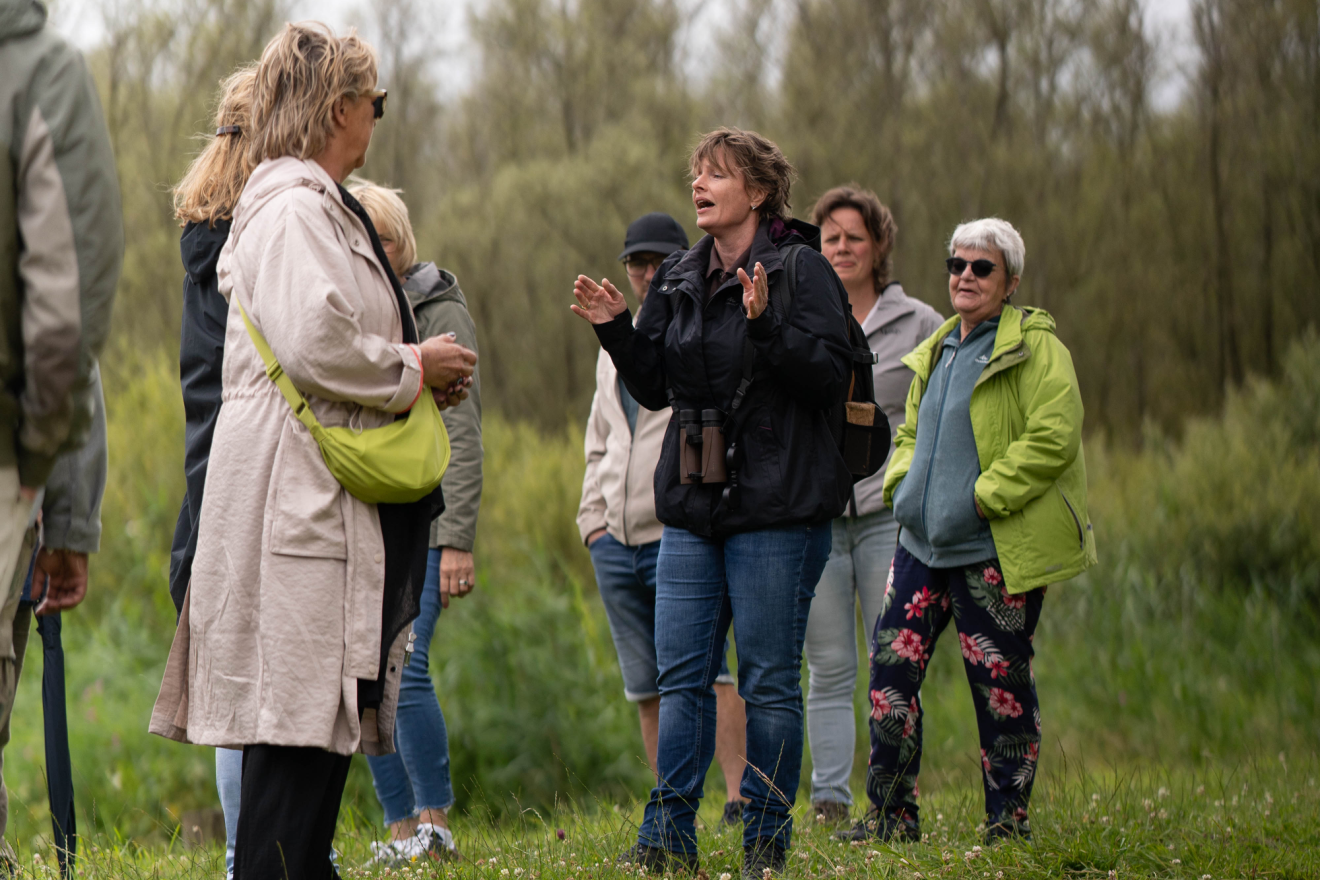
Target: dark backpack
[[860, 428]]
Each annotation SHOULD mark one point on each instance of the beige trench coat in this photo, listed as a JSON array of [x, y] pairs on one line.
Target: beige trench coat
[[283, 613]]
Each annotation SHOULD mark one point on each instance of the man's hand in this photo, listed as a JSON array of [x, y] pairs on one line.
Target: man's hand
[[62, 574], [595, 536], [444, 361], [457, 574]]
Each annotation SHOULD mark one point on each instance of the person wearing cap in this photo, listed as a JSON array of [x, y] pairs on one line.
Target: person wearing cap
[[618, 523]]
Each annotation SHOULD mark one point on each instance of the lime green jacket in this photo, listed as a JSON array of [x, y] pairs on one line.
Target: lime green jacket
[[1027, 419]]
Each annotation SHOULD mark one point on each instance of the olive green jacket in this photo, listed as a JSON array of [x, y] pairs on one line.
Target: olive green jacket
[[61, 241], [1026, 414], [439, 307]]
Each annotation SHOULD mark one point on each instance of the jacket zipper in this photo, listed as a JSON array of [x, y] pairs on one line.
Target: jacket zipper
[[1081, 539], [627, 465], [930, 460]]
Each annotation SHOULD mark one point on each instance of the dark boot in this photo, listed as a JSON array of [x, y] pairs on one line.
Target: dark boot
[[760, 857], [883, 827], [656, 860]]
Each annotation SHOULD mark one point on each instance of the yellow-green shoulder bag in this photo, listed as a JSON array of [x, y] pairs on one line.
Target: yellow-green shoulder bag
[[397, 463]]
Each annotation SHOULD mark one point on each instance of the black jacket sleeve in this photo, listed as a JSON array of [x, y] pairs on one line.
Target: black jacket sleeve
[[638, 352], [808, 353]]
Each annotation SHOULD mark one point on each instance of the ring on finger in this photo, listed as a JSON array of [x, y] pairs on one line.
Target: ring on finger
[[464, 582]]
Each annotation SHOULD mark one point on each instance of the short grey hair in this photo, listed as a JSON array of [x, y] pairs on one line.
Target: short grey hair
[[991, 233]]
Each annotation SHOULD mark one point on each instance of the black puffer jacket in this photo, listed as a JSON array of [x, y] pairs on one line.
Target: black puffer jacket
[[201, 354], [792, 472]]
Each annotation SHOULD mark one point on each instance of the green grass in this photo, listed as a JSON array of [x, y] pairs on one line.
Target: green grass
[[1247, 819], [1188, 657]]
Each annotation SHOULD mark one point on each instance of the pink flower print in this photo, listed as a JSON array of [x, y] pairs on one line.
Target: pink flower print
[[1003, 703], [944, 601], [1033, 752], [971, 651], [920, 602], [907, 644], [1012, 601], [985, 762], [991, 576], [883, 702], [998, 667], [916, 790], [910, 723]]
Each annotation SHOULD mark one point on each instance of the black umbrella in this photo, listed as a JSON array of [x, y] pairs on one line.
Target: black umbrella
[[59, 767], [55, 718]]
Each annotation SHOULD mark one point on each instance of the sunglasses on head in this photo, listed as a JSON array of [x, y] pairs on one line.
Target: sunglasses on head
[[378, 102], [980, 268]]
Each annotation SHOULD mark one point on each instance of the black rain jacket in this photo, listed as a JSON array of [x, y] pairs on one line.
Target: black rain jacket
[[201, 355], [792, 472]]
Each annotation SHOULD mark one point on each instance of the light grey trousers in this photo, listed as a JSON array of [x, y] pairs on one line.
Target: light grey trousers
[[857, 571]]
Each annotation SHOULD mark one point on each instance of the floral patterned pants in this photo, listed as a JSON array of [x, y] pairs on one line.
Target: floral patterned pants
[[995, 631]]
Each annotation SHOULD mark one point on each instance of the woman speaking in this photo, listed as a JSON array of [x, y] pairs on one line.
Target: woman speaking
[[744, 337]]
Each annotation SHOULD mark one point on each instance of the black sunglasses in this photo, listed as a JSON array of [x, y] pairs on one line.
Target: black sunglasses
[[980, 268], [378, 103]]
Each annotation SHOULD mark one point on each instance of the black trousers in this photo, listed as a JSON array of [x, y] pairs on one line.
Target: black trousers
[[287, 812]]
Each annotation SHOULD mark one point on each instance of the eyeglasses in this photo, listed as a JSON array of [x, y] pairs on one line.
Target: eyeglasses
[[378, 102], [637, 264], [980, 268]]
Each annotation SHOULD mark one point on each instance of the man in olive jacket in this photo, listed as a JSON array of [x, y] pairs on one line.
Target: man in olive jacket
[[61, 247]]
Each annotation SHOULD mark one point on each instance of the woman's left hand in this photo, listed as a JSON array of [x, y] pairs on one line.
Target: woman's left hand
[[457, 574], [756, 292]]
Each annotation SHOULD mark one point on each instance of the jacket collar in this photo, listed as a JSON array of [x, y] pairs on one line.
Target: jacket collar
[[1008, 341], [690, 271], [892, 305]]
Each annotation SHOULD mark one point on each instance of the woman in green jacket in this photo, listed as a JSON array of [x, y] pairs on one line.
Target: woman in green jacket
[[988, 484]]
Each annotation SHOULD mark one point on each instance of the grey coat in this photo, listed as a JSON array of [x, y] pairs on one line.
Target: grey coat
[[439, 307], [896, 325]]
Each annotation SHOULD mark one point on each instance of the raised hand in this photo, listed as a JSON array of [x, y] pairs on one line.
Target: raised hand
[[444, 361], [756, 291], [598, 303]]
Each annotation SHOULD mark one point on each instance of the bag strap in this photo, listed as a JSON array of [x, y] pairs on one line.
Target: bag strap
[[301, 409]]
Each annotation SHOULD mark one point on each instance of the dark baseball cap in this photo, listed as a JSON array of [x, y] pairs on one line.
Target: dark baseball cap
[[654, 233]]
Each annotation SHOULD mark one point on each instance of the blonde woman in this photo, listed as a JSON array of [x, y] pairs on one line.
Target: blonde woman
[[413, 784], [204, 202], [293, 629]]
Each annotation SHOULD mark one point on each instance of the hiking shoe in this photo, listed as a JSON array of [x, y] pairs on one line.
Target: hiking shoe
[[889, 826], [763, 859], [1005, 830], [732, 817], [656, 860], [830, 812], [438, 842]]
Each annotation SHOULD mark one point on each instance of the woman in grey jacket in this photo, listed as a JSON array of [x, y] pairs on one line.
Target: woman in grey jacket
[[857, 236], [413, 784]]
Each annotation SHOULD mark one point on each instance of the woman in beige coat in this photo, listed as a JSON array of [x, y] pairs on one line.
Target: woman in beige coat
[[282, 648]]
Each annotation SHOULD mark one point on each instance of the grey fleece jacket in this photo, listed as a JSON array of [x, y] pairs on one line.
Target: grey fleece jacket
[[935, 503], [440, 307]]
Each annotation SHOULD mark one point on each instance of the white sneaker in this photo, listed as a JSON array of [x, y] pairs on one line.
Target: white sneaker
[[395, 853], [437, 842]]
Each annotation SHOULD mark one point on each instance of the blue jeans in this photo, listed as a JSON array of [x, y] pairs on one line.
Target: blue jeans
[[625, 576], [416, 776], [762, 583]]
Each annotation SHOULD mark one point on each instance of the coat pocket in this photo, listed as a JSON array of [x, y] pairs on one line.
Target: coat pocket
[[307, 515]]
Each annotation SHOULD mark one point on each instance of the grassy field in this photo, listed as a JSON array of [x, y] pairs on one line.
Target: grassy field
[[1243, 820], [1186, 661]]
